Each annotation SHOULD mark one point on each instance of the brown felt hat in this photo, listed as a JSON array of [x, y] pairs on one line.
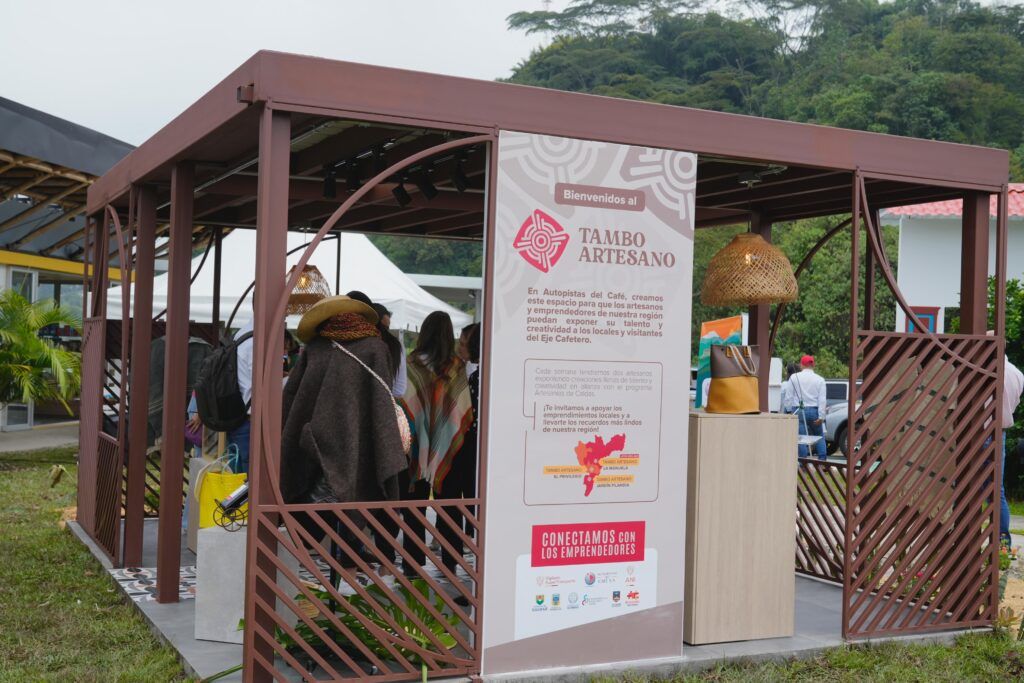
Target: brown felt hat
[[329, 307]]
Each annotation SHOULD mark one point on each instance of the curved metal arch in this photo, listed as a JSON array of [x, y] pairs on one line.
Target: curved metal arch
[[267, 367], [883, 262], [781, 308]]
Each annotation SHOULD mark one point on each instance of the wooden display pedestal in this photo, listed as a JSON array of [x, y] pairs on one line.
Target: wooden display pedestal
[[740, 528]]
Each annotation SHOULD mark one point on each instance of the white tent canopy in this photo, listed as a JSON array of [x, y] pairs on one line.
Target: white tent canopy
[[363, 267]]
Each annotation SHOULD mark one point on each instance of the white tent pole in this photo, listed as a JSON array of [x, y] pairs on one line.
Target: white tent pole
[[337, 269]]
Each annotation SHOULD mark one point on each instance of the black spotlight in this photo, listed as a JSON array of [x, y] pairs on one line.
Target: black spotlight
[[459, 179], [402, 195], [352, 180], [425, 186], [330, 182]]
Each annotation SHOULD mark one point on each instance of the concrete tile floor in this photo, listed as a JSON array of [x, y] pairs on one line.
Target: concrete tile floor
[[818, 615]]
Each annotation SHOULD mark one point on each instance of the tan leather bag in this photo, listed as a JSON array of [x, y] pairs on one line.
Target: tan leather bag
[[733, 380]]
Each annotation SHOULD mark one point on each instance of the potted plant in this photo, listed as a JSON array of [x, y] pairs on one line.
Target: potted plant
[[33, 368]]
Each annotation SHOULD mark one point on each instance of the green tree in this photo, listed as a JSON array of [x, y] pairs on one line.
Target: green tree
[[940, 69], [431, 256], [33, 368]]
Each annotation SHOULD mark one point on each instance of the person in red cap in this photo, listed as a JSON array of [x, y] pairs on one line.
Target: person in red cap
[[808, 387]]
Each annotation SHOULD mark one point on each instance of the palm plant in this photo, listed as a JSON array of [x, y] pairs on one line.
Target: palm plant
[[33, 368]]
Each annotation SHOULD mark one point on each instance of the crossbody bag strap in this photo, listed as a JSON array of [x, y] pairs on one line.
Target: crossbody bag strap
[[799, 389], [368, 369]]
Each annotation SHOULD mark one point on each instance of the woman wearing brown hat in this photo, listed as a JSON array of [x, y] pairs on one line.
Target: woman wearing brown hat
[[340, 441]]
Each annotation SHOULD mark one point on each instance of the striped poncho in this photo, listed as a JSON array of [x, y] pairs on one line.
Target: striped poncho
[[440, 409]]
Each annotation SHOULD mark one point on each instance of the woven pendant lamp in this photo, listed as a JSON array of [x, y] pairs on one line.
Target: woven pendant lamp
[[747, 272], [310, 288]]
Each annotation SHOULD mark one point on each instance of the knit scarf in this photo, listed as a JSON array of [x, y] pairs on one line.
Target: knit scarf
[[347, 327]]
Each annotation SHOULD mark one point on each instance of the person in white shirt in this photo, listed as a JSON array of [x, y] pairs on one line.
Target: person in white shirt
[[809, 390], [1013, 386], [240, 437], [787, 402]]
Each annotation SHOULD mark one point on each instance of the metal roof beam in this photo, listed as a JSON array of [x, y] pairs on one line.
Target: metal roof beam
[[49, 226], [39, 206], [20, 189]]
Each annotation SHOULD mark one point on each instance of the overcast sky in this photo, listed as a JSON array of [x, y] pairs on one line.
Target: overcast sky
[[127, 68]]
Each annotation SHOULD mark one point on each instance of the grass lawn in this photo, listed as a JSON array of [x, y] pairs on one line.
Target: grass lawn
[[62, 619], [1016, 507], [61, 616]]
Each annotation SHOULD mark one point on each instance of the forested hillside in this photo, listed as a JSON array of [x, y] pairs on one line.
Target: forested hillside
[[924, 68], [937, 69]]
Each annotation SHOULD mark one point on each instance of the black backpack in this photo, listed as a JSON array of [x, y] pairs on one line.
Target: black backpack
[[218, 398]]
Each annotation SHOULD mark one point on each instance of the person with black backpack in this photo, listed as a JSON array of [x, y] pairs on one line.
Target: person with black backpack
[[224, 393]]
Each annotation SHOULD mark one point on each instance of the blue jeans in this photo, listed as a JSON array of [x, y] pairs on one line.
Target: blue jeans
[[807, 426], [239, 438], [1004, 507]]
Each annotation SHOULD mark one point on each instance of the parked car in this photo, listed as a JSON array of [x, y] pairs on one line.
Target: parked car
[[837, 391], [836, 428]]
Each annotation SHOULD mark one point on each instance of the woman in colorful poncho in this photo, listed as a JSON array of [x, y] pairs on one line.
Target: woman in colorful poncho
[[438, 403]]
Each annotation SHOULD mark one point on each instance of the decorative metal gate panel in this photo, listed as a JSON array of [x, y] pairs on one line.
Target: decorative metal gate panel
[[90, 418], [338, 617], [109, 480], [922, 515], [923, 505]]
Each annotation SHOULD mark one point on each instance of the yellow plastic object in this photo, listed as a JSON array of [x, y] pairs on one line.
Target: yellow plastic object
[[213, 487]]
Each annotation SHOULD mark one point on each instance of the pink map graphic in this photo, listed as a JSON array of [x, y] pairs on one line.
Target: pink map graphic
[[591, 453]]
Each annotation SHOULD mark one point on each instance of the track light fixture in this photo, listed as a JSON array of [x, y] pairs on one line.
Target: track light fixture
[[330, 182], [459, 179], [352, 177], [424, 184], [401, 194]]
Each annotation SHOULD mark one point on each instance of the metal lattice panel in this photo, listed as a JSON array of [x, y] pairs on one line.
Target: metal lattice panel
[[820, 519], [922, 516], [350, 613]]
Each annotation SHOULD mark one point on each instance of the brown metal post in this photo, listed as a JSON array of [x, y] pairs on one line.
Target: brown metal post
[[271, 245], [337, 265], [760, 322], [138, 395], [869, 281], [1001, 249], [172, 453], [851, 472], [218, 237], [974, 264]]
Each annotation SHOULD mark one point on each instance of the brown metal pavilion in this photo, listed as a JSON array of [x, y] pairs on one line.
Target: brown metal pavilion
[[289, 142]]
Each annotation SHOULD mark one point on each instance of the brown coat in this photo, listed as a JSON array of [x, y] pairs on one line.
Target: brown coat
[[340, 434]]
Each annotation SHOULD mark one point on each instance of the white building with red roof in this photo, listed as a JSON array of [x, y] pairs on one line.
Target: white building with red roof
[[928, 271]]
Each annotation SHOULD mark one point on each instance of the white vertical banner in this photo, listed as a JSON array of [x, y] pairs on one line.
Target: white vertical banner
[[587, 405]]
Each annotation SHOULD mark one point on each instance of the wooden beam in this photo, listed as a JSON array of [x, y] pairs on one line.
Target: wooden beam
[[31, 182], [172, 455], [36, 208], [760, 323], [974, 264], [138, 378], [35, 164], [51, 225]]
